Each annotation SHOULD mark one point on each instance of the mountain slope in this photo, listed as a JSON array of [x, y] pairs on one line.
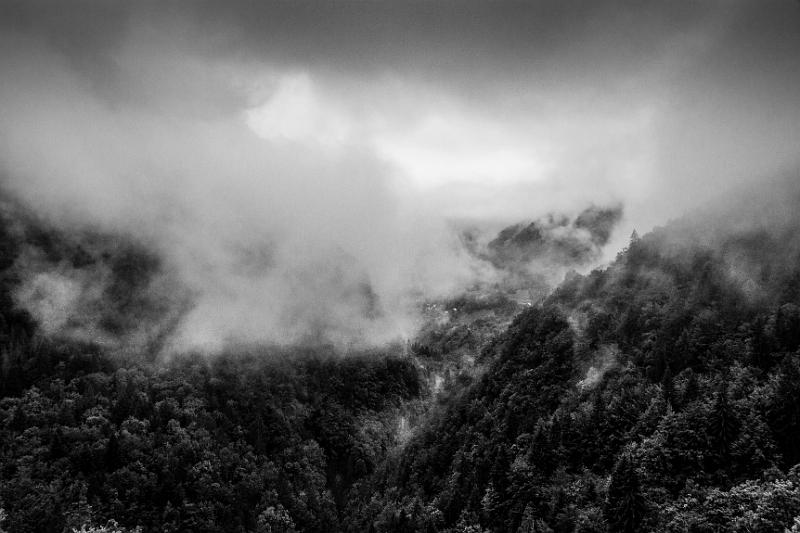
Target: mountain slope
[[661, 393]]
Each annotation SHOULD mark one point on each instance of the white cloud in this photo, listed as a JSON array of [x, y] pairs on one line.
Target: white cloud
[[444, 148], [296, 112]]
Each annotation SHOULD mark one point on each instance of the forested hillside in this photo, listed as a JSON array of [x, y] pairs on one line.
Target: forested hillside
[[659, 394], [267, 439]]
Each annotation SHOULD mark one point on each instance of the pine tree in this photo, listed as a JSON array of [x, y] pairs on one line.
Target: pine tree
[[625, 506], [112, 455], [723, 424], [668, 387], [542, 452], [691, 390]]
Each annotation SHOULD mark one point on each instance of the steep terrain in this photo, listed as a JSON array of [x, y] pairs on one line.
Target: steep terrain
[[660, 393]]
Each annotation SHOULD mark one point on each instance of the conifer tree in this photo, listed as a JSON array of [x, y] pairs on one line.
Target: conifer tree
[[668, 387], [625, 506], [723, 425]]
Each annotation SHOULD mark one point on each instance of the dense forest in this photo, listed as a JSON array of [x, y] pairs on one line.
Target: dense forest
[[660, 393], [268, 439]]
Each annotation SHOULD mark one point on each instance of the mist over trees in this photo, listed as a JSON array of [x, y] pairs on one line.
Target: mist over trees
[[657, 394], [660, 393], [363, 267]]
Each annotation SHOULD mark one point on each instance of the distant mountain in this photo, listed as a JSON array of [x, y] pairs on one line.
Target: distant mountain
[[558, 240]]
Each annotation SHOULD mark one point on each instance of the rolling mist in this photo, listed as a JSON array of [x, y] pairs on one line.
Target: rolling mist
[[291, 187]]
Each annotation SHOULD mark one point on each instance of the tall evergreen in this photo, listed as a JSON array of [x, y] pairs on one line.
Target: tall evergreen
[[723, 424], [625, 506]]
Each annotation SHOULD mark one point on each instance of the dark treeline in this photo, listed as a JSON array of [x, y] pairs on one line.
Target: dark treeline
[[235, 444]]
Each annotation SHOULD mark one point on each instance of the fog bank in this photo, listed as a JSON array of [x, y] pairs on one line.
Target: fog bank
[[297, 168]]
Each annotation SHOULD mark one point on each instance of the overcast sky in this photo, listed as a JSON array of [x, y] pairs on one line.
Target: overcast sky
[[356, 124]]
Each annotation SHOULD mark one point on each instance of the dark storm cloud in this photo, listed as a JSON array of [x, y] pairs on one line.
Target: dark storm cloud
[[446, 40], [452, 35], [508, 52]]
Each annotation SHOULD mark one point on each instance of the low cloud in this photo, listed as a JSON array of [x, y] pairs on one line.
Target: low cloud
[[294, 190]]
